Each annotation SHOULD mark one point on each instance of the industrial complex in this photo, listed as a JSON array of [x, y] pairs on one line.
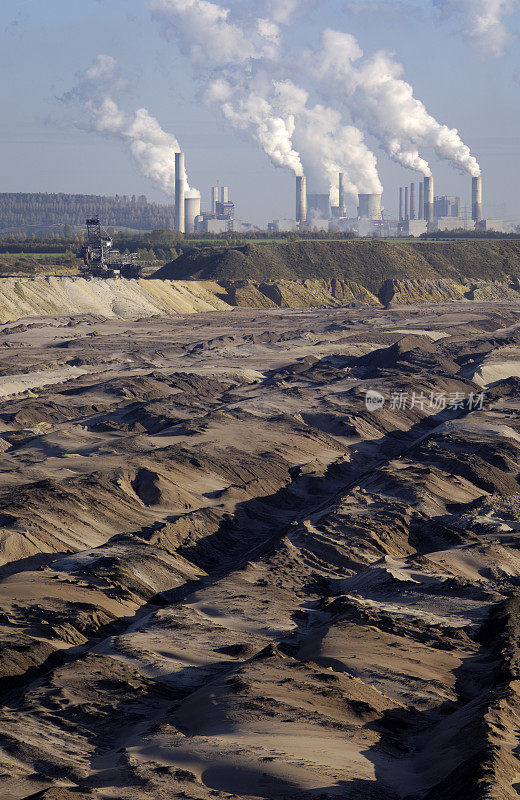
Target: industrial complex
[[188, 215], [420, 211]]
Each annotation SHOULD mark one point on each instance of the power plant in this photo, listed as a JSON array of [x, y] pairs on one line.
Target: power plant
[[443, 213], [315, 213], [420, 212], [189, 218]]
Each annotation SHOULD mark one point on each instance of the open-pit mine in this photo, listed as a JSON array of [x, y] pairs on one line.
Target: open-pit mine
[[258, 553]]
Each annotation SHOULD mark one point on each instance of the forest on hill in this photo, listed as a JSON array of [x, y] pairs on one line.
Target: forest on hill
[[26, 213]]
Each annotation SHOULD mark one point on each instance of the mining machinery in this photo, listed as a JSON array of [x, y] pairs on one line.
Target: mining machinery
[[101, 260]]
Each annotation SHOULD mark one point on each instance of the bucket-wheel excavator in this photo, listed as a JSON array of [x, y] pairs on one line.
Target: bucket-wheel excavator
[[101, 260]]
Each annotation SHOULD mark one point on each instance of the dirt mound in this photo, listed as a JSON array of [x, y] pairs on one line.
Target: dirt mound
[[58, 793], [367, 263], [399, 292], [412, 353]]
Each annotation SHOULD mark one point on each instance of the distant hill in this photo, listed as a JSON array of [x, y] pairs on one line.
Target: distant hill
[[27, 213], [368, 263]]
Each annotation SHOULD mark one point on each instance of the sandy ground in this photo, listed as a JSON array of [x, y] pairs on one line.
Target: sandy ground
[[222, 575]]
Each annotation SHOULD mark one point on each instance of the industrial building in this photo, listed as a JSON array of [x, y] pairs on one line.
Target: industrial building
[[447, 207], [443, 213], [314, 213], [420, 211], [188, 215]]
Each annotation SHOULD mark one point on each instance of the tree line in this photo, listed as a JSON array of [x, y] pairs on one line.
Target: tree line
[[24, 213]]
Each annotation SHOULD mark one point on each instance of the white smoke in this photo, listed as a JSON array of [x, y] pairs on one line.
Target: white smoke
[[251, 111], [376, 94], [483, 22], [208, 36], [152, 148], [327, 147]]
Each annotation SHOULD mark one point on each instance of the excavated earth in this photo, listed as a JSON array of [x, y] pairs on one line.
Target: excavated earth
[[224, 573]]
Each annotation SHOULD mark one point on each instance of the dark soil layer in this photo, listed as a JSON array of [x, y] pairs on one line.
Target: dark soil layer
[[366, 262]]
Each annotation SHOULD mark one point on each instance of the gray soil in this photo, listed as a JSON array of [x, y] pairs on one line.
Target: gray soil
[[223, 576], [368, 263]]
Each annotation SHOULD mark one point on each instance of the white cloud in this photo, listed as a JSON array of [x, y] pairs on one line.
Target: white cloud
[[282, 11], [483, 22]]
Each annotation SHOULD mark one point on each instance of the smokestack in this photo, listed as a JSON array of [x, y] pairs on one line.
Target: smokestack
[[412, 201], [401, 204], [421, 201], [179, 192], [428, 199], [224, 194], [191, 212], [214, 199], [301, 199], [406, 204], [342, 209], [476, 199]]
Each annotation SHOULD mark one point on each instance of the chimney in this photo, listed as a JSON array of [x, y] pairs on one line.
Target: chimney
[[412, 201], [301, 198], [179, 192], [342, 208], [401, 204], [406, 204], [421, 201], [214, 199], [428, 199], [476, 199]]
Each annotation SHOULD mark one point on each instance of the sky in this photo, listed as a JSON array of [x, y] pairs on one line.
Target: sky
[[290, 96]]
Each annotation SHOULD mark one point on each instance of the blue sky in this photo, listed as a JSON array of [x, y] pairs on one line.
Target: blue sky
[[45, 45]]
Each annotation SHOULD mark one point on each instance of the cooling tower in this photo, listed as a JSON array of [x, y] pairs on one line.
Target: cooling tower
[[191, 212], [179, 192], [476, 199], [421, 201], [401, 204], [369, 206], [428, 199], [342, 206], [301, 199], [412, 201]]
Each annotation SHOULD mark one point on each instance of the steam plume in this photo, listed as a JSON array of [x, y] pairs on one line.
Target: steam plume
[[206, 33], [251, 111], [151, 147], [377, 95], [484, 25], [328, 147]]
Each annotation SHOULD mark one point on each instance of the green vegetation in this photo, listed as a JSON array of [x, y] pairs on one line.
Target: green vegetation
[[25, 213], [39, 264]]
